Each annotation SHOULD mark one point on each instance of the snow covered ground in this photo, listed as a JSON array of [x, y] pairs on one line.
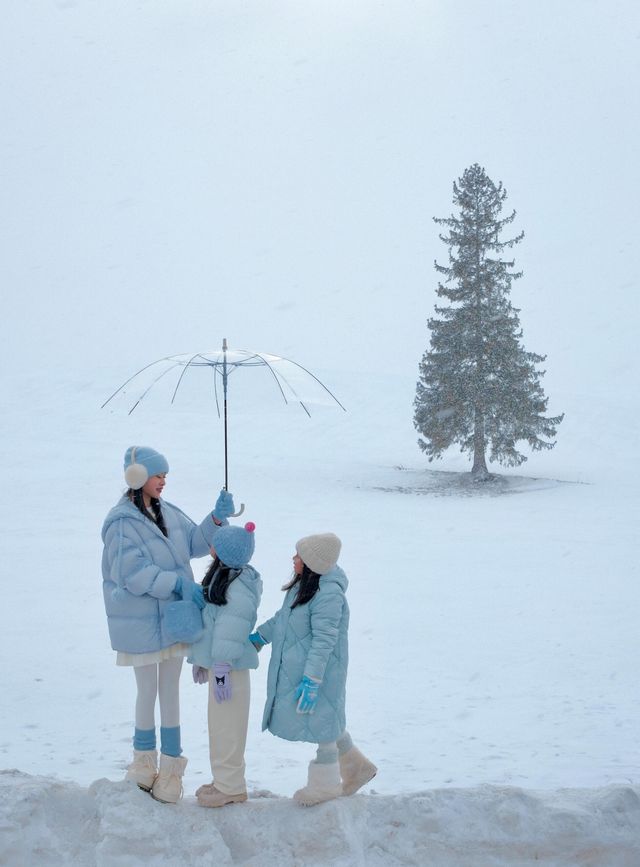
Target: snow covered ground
[[267, 173], [49, 823]]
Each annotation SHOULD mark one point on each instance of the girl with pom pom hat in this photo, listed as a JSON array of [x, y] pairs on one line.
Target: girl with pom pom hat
[[148, 545], [306, 683], [224, 656]]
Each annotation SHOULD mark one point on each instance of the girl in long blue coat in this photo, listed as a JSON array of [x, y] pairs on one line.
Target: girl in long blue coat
[[224, 656], [148, 544], [306, 683]]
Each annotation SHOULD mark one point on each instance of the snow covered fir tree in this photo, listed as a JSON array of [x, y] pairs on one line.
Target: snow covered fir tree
[[478, 387]]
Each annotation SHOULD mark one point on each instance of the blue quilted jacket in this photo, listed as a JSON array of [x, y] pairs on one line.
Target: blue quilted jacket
[[310, 640], [139, 571], [227, 627]]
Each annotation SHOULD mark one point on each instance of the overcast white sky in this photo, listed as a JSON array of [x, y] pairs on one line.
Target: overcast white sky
[[267, 171]]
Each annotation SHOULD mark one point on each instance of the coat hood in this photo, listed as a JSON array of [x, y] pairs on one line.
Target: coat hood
[[249, 576], [335, 576], [124, 508]]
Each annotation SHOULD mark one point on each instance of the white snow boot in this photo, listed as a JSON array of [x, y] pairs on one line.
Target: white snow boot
[[356, 770], [143, 769], [168, 784], [323, 784]]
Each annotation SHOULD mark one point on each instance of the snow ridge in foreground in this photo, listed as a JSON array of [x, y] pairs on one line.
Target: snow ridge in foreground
[[45, 821]]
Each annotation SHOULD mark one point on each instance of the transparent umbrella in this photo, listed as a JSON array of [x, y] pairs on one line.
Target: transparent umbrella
[[291, 380]]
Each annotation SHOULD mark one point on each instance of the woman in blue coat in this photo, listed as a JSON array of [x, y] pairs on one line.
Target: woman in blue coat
[[224, 656], [148, 544], [306, 684]]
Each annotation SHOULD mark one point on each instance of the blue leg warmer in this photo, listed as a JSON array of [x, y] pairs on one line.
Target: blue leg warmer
[[144, 739], [170, 741]]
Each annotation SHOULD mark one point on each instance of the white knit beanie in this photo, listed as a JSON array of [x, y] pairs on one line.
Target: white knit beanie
[[320, 553]]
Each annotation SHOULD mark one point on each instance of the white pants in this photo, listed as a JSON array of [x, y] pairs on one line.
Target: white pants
[[228, 723], [158, 680]]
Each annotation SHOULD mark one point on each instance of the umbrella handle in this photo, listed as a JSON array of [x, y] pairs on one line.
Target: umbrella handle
[[239, 512]]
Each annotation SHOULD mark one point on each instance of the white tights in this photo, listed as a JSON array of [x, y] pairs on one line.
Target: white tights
[[159, 680]]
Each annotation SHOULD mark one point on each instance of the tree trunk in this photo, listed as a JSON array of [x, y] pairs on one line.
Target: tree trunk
[[479, 471]]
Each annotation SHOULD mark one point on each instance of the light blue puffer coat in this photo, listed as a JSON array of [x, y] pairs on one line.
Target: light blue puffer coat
[[140, 567], [310, 640], [227, 627]]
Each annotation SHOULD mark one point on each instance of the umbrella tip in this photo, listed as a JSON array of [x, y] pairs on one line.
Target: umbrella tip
[[224, 344]]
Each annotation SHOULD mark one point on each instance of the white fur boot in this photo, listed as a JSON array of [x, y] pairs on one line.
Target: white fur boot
[[356, 770], [168, 784], [143, 769], [323, 784]]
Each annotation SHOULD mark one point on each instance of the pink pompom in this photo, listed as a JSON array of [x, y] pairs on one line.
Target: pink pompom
[[249, 526]]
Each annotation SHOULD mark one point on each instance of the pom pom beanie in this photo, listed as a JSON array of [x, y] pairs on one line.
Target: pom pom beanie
[[235, 545]]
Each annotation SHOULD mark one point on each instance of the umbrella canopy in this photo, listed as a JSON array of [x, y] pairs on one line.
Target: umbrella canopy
[[293, 382]]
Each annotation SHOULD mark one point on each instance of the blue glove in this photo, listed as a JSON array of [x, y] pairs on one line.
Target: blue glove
[[307, 693], [224, 507], [257, 640], [178, 586], [197, 595], [221, 681], [199, 674]]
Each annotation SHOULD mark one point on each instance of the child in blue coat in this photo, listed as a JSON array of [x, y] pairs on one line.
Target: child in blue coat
[[148, 545], [224, 656], [306, 683]]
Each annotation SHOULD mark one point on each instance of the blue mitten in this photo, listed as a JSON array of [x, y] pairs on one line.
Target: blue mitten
[[224, 507], [183, 620], [307, 693], [221, 683], [197, 595], [257, 640]]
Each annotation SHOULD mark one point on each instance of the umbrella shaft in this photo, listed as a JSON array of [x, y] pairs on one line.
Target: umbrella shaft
[[226, 461]]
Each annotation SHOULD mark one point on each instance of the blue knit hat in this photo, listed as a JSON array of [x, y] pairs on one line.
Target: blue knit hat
[[140, 463], [235, 545]]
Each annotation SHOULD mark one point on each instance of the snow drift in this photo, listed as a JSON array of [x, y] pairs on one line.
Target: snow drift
[[49, 822]]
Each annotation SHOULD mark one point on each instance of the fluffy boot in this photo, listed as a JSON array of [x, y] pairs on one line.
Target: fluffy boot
[[168, 784], [323, 784], [356, 770], [143, 769], [212, 797]]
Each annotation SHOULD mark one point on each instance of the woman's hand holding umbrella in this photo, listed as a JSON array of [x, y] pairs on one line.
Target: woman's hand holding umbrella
[[224, 507]]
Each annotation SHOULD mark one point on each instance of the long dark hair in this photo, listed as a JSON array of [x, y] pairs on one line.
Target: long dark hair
[[216, 581], [156, 512], [307, 583]]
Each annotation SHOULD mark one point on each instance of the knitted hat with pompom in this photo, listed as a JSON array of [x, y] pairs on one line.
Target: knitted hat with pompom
[[234, 546]]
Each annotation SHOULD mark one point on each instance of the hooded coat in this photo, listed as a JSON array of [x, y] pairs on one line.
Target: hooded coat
[[227, 627], [311, 640], [140, 567]]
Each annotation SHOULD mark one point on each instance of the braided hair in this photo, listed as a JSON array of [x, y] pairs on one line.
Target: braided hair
[[156, 512], [307, 583], [216, 581]]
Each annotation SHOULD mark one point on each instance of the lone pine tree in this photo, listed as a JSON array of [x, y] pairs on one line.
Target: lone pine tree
[[477, 386]]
